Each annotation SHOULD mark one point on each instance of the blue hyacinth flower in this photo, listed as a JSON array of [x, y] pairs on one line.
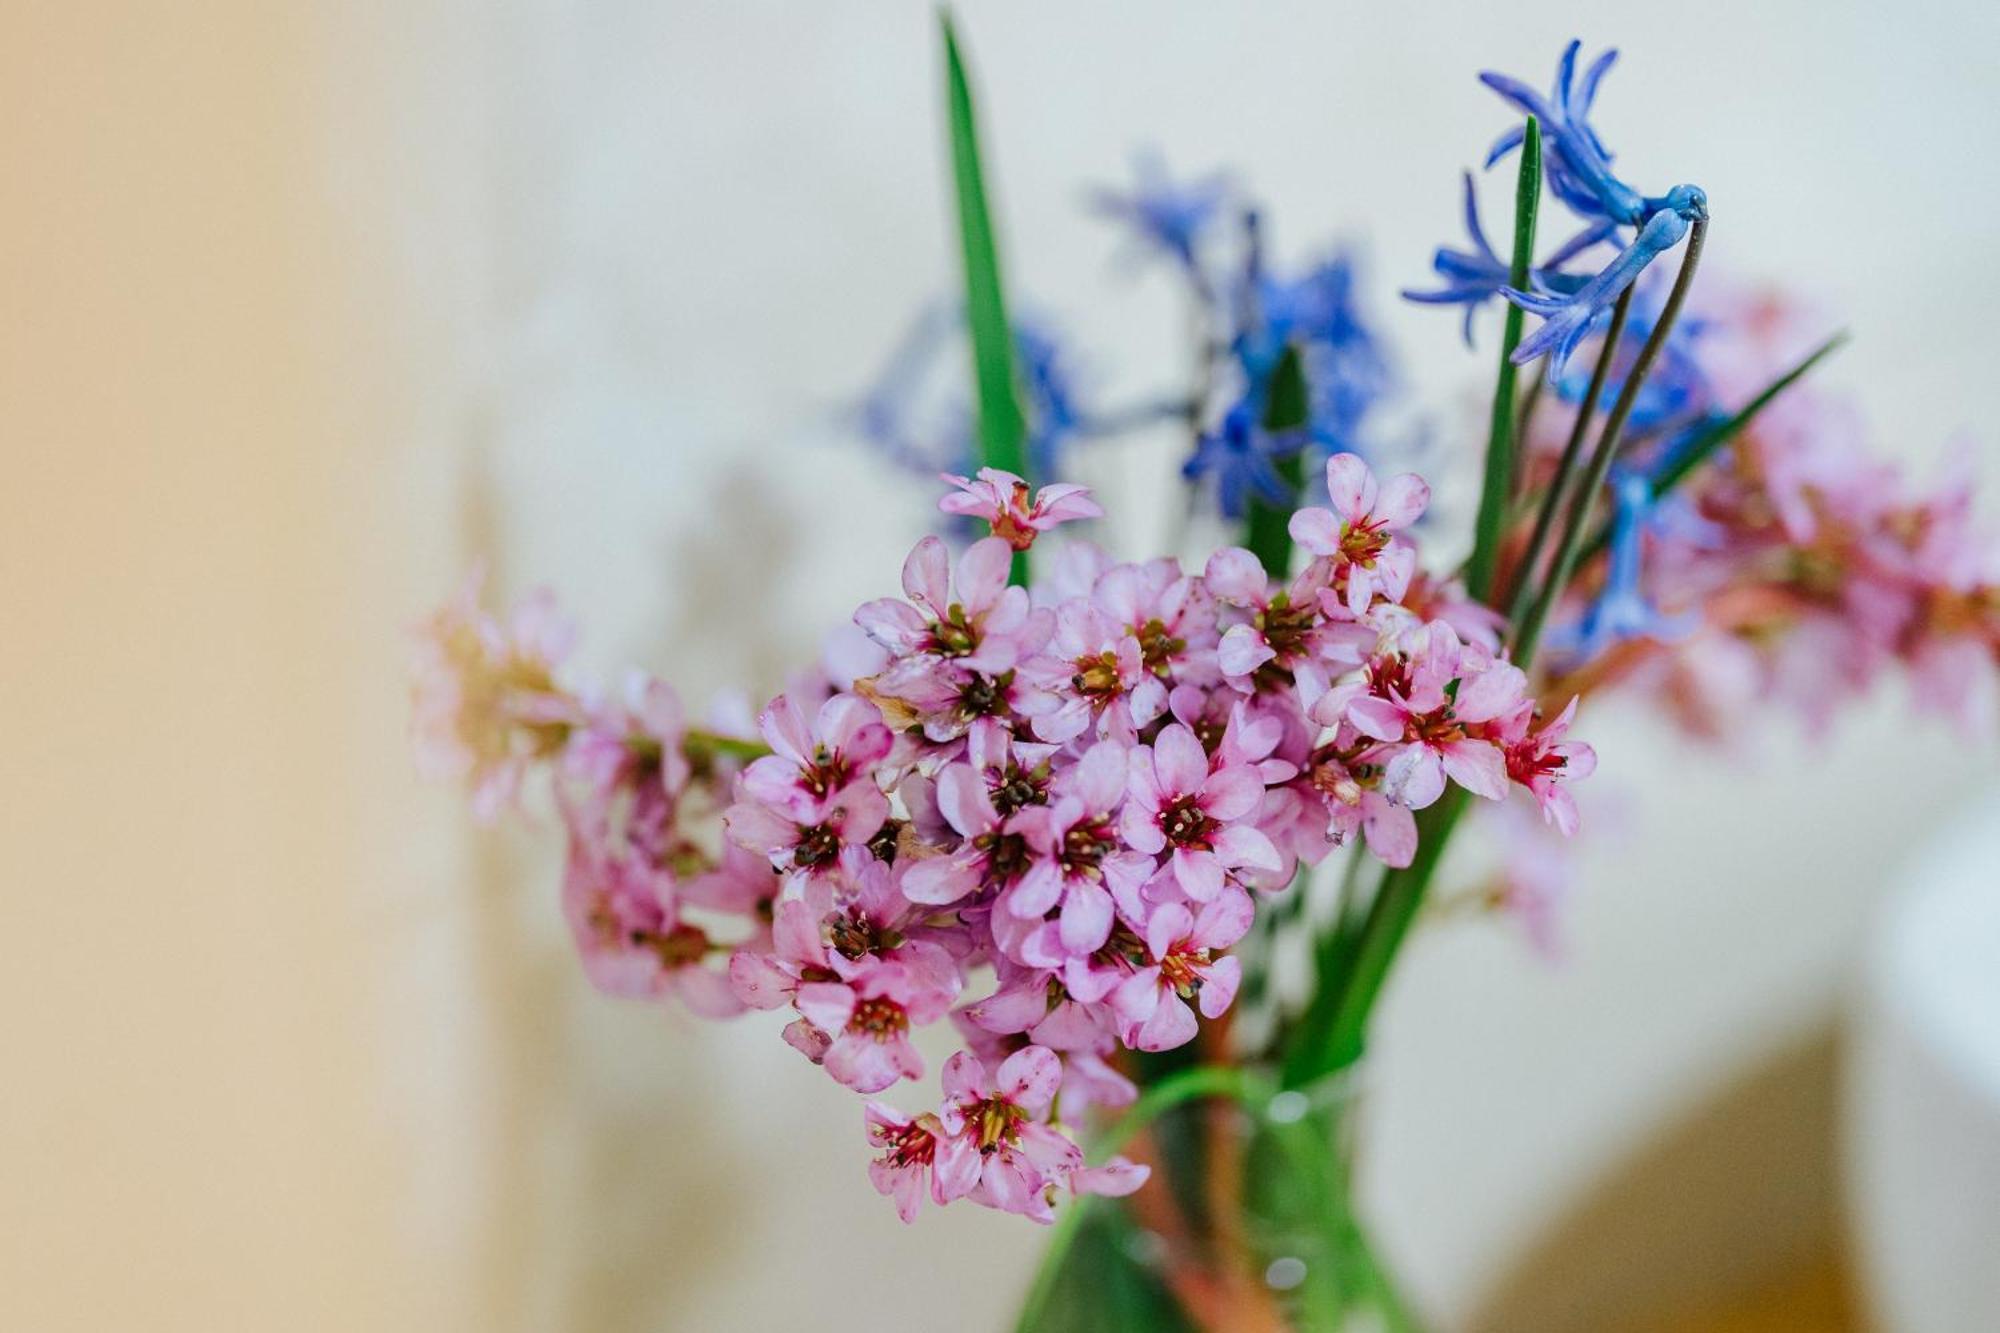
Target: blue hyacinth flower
[[1474, 277], [1567, 318], [1622, 610], [1165, 215], [1237, 457], [1575, 161]]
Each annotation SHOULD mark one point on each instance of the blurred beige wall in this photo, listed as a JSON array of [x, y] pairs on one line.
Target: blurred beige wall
[[191, 1135]]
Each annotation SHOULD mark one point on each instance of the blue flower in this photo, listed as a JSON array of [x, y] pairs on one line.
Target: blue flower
[[1166, 215], [1347, 369], [1055, 414], [1568, 317], [1577, 166], [1575, 161], [1473, 277], [1677, 388], [919, 417], [1237, 457], [1622, 610]]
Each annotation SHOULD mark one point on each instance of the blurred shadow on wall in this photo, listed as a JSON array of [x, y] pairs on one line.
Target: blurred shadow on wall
[[1728, 1222], [744, 544], [593, 1157]]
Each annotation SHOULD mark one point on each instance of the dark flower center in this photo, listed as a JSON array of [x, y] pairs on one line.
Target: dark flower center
[[1083, 848], [1186, 824], [816, 846], [1157, 647], [1007, 856], [884, 1020], [1285, 626], [1097, 677], [1182, 968], [855, 936], [680, 947]]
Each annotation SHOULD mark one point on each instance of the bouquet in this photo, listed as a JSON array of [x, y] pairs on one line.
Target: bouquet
[[1070, 806]]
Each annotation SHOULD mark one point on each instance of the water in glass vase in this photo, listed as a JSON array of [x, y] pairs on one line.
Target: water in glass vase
[[1248, 1225]]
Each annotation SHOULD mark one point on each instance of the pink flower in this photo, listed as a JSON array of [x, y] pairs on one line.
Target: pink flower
[[1288, 636], [993, 854], [1000, 1153], [1169, 613], [629, 763], [909, 1159], [1034, 1001], [1431, 731], [869, 1019], [1076, 863], [620, 916], [977, 629], [769, 979], [1182, 966], [1543, 762], [1348, 795], [1001, 498], [811, 766], [1176, 805], [1096, 668], [485, 704], [1357, 535], [742, 884], [808, 846]]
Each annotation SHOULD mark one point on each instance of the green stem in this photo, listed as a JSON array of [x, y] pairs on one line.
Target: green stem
[[1243, 1085], [1267, 532], [696, 740], [1545, 518], [1389, 920], [1500, 437], [1570, 550]]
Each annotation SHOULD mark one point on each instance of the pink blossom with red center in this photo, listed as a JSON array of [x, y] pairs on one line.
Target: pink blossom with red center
[[907, 1169], [1002, 499], [1077, 867], [869, 1018], [1287, 630], [621, 916], [1200, 819], [974, 620], [810, 766], [1182, 966], [1096, 669], [1358, 535], [1543, 761], [808, 848], [1001, 1152], [1430, 705], [485, 705]]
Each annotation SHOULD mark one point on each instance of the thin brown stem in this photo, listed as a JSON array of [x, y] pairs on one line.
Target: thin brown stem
[[1571, 547], [1545, 519]]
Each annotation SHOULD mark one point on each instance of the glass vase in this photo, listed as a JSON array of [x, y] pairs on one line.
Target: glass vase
[[1248, 1225]]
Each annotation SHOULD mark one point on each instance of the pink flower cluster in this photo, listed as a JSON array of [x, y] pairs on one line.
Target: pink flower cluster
[[1805, 566], [1079, 789]]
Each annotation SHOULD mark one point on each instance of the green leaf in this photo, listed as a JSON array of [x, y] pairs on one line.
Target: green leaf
[[1333, 1031], [1002, 429], [1499, 477], [1267, 530]]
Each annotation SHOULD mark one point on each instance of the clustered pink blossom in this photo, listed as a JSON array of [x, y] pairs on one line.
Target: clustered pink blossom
[[1001, 498], [1804, 566], [1045, 814]]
